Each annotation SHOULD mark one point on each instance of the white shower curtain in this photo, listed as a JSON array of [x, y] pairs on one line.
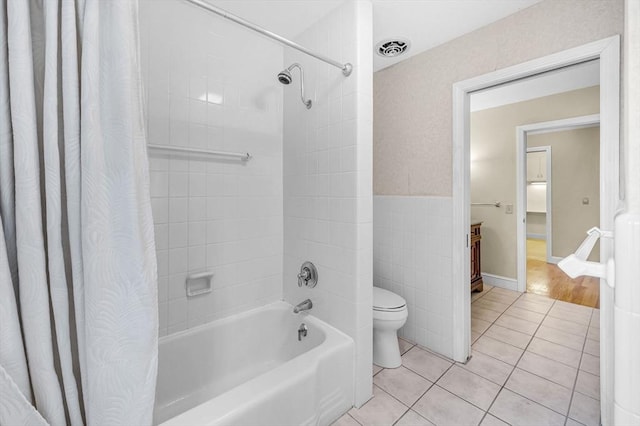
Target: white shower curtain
[[78, 295]]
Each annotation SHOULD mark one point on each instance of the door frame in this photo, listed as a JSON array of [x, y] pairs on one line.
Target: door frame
[[522, 132], [608, 52], [525, 208]]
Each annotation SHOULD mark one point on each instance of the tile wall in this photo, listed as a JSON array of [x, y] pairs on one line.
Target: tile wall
[[327, 176], [412, 257], [211, 84]]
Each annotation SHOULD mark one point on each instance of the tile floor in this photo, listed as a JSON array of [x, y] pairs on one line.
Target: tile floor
[[535, 362]]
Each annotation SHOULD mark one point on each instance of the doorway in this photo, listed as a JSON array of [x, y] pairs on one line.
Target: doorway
[[577, 195], [608, 52]]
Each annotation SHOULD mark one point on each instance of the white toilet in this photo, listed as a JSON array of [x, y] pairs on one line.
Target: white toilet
[[389, 314]]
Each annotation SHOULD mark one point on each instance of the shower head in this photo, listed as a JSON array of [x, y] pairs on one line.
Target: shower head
[[286, 78]]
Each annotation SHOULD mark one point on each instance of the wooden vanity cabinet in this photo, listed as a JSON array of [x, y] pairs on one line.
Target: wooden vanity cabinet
[[476, 269]]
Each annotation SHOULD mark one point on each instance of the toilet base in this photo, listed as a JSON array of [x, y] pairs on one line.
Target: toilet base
[[386, 351]]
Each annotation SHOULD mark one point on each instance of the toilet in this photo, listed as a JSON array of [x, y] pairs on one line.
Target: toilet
[[389, 314]]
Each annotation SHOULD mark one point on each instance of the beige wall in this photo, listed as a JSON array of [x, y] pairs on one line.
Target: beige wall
[[537, 223], [493, 167], [575, 166], [413, 99]]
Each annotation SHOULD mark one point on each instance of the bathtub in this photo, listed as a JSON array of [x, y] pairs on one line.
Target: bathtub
[[250, 369]]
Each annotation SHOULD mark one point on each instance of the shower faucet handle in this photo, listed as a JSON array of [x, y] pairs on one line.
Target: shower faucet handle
[[308, 275]]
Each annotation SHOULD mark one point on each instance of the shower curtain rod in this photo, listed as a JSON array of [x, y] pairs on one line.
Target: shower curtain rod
[[346, 68]]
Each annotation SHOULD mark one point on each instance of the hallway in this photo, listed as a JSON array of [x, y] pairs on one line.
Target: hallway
[[546, 279]]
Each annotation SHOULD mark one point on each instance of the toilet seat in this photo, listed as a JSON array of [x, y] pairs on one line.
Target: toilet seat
[[386, 301]]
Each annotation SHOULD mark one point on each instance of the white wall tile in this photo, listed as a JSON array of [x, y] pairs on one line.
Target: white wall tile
[[412, 257], [327, 184], [210, 214]]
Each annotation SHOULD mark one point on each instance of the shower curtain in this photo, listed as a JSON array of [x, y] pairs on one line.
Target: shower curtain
[[78, 295]]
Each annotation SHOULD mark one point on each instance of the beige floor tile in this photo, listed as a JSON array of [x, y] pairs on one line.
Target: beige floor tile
[[443, 408], [588, 384], [500, 290], [517, 410], [592, 347], [560, 337], [483, 313], [490, 420], [402, 383], [537, 298], [573, 307], [411, 418], [376, 369], [578, 317], [488, 367], [590, 364], [566, 326], [424, 363], [470, 387], [556, 352], [540, 390], [404, 345], [479, 326], [595, 319], [517, 324], [541, 308], [497, 349], [525, 314], [475, 336], [585, 410], [571, 422], [345, 420], [495, 296], [476, 296], [593, 334], [506, 335], [490, 304], [549, 369], [382, 409]]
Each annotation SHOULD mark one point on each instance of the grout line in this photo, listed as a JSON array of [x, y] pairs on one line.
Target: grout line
[[575, 382], [401, 403], [516, 366]]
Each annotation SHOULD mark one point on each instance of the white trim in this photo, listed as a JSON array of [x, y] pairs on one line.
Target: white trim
[[536, 237], [608, 51], [461, 241], [521, 168], [500, 281]]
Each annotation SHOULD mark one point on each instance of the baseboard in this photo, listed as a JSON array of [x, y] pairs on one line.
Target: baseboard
[[498, 281], [536, 237]]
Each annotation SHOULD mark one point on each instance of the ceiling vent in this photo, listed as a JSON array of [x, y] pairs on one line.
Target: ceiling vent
[[392, 47]]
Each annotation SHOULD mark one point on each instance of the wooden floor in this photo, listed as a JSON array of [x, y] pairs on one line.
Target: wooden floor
[[548, 280]]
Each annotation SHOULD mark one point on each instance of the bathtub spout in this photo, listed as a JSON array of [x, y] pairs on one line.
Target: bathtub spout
[[303, 306]]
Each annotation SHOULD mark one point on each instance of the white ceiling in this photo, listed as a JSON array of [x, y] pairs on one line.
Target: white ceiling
[[426, 23], [550, 83]]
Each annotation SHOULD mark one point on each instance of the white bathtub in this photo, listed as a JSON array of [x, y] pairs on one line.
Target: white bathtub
[[250, 369]]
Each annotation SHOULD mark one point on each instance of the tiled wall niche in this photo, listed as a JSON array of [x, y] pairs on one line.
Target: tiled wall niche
[[211, 84], [328, 174], [412, 257]]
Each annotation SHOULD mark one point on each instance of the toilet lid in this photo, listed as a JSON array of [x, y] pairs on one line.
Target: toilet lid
[[384, 300]]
